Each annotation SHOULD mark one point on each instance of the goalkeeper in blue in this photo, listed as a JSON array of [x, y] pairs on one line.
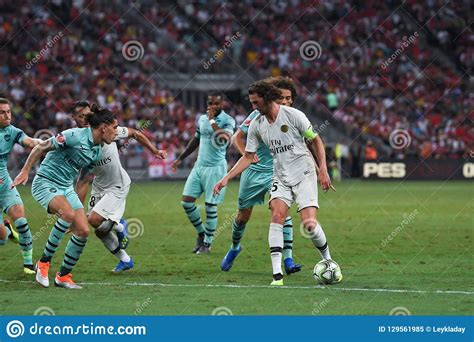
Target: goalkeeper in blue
[[10, 200], [53, 188], [213, 133]]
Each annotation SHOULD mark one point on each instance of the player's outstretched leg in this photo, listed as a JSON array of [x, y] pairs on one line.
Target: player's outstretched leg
[[290, 265], [238, 229], [105, 232], [74, 248], [209, 228], [195, 218], [235, 249], [319, 239], [55, 237], [122, 233]]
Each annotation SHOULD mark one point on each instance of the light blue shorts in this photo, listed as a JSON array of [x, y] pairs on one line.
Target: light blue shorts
[[44, 190], [8, 197], [254, 185], [202, 179]]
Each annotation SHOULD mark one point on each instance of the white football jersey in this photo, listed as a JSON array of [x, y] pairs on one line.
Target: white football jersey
[[292, 161], [109, 173]]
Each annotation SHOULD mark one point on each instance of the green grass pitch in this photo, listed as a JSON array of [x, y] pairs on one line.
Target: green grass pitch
[[404, 247]]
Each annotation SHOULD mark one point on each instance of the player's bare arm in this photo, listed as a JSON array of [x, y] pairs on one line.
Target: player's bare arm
[[238, 141], [311, 149], [31, 142], [323, 176], [239, 167], [190, 148], [38, 151], [146, 143]]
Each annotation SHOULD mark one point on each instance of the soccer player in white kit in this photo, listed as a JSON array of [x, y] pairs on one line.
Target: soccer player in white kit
[[110, 189], [284, 130]]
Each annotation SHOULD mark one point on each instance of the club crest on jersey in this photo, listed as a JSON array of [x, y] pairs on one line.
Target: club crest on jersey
[[60, 139], [284, 128], [8, 137]]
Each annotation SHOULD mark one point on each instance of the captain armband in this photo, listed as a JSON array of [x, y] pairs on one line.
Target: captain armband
[[310, 134]]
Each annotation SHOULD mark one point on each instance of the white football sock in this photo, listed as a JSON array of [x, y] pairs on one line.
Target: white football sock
[[275, 240], [119, 227], [319, 241], [122, 255]]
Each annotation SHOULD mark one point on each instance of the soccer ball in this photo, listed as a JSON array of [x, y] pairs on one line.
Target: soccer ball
[[327, 272]]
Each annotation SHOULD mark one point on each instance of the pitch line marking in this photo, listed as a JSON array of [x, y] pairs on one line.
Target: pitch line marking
[[317, 287]]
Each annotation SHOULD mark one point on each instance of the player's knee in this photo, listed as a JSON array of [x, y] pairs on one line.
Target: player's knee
[[278, 217], [82, 231], [310, 225], [67, 215], [188, 199], [243, 217], [104, 228], [3, 241], [94, 221], [16, 212]]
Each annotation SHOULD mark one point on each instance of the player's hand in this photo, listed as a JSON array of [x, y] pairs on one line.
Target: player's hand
[[22, 178], [211, 113], [37, 142], [160, 154], [220, 185], [175, 165], [255, 159], [324, 180]]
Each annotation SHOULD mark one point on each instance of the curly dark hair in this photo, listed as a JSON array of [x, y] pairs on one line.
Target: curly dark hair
[[265, 90], [283, 82], [100, 116]]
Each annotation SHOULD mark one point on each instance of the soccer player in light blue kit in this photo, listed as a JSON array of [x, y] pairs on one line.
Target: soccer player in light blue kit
[[256, 182], [213, 132], [10, 200], [68, 153]]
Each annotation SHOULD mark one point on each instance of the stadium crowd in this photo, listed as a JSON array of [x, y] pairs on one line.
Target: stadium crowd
[[77, 54]]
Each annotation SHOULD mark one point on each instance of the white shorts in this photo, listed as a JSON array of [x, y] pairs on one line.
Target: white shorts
[[109, 205], [304, 194]]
